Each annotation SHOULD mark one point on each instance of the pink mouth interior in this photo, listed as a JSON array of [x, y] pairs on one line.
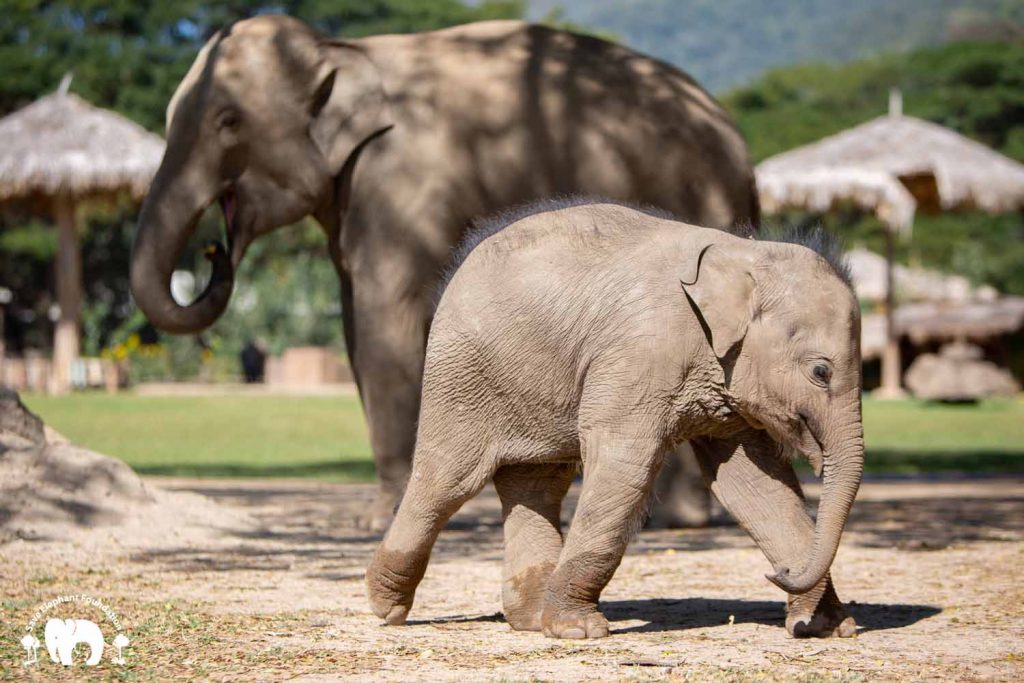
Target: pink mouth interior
[[229, 204]]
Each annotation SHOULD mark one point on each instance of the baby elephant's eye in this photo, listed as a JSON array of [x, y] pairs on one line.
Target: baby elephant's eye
[[823, 373]]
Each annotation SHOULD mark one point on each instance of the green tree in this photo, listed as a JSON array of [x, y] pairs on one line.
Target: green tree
[[128, 55]]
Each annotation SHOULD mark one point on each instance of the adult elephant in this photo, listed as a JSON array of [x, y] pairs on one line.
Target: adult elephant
[[394, 144]]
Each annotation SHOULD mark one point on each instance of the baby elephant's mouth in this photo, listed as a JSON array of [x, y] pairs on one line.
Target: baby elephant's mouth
[[816, 456]]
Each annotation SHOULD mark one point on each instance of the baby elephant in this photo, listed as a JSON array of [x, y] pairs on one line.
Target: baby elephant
[[603, 335]]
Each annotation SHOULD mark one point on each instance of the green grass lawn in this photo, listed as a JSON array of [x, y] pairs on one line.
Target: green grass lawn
[[218, 436], [326, 437], [914, 436]]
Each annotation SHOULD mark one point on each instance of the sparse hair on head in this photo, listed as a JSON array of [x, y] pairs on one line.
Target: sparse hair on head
[[822, 242]]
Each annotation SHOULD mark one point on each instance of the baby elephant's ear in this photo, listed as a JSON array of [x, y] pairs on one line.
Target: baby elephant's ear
[[720, 290]]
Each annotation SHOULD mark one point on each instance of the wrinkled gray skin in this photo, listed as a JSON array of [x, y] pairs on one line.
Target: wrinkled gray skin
[[394, 143], [603, 336]]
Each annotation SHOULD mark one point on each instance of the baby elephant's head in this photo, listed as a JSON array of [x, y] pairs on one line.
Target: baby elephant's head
[[784, 324]]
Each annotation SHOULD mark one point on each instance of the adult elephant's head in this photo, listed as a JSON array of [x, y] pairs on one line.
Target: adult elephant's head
[[262, 123], [784, 324]]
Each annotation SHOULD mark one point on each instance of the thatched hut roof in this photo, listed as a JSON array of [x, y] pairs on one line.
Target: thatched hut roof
[[62, 145], [868, 271], [892, 164], [931, 321]]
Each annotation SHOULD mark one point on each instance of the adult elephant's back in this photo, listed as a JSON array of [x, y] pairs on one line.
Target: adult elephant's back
[[495, 114], [489, 116]]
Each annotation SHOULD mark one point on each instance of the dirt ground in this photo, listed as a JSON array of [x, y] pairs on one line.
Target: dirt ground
[[272, 589]]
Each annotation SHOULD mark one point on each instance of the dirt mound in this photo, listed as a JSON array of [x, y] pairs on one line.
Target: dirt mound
[[958, 372], [50, 488]]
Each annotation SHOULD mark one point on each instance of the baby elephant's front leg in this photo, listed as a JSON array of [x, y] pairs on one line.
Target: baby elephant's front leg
[[617, 480], [761, 490]]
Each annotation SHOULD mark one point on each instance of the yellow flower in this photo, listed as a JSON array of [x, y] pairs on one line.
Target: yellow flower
[[133, 342], [151, 350], [207, 354]]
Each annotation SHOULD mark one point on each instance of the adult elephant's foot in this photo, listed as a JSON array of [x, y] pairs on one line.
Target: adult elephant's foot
[[381, 513], [390, 586], [819, 614], [575, 623], [377, 523]]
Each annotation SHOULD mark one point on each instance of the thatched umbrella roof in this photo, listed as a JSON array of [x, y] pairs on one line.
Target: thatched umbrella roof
[[974, 320], [891, 165], [62, 145], [869, 273], [56, 152], [930, 321], [821, 189]]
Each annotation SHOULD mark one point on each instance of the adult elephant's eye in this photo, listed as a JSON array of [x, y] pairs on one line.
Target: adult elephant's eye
[[228, 120], [822, 373]]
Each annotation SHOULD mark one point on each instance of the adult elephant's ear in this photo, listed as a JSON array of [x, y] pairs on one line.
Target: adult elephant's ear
[[721, 291], [348, 105]]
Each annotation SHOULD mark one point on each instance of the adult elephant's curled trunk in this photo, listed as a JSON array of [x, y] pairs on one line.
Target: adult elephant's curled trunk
[[841, 478], [162, 236]]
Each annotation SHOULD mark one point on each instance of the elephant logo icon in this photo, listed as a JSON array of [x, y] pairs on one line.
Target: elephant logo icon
[[62, 635]]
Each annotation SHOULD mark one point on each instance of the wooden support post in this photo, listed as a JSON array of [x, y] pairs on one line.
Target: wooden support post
[[3, 343], [891, 364], [69, 295]]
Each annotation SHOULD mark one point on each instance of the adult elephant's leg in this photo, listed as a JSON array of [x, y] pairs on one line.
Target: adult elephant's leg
[[682, 498], [618, 475], [387, 359], [531, 506], [757, 485]]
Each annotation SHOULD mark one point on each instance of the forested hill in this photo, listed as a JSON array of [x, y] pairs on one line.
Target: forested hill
[[724, 43]]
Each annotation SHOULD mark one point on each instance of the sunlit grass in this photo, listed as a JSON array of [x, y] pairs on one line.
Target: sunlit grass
[[218, 435], [914, 436]]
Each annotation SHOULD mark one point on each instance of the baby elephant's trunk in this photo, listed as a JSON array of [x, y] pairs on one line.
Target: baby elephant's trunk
[[842, 475]]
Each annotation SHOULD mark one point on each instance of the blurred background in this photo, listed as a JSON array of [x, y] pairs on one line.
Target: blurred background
[[266, 391]]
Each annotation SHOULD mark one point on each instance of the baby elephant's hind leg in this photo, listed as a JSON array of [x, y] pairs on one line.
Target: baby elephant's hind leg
[[439, 485], [531, 506]]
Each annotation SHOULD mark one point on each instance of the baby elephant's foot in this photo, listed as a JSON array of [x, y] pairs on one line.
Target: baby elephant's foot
[[809, 617], [574, 623], [390, 591], [522, 597]]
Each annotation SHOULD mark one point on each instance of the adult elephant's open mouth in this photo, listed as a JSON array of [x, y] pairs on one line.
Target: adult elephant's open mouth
[[237, 233], [160, 242], [229, 207]]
